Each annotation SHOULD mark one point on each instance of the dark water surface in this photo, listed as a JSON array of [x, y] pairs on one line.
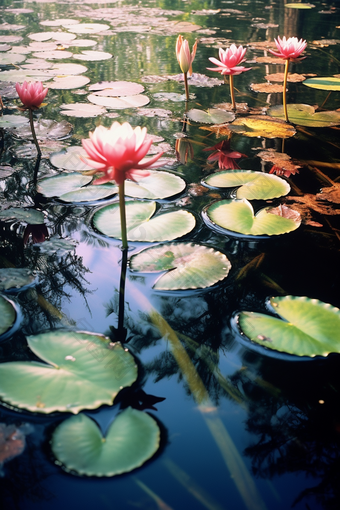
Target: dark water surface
[[269, 436]]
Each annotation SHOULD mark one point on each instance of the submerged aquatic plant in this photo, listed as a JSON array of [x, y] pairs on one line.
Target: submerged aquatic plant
[[185, 60], [229, 65], [288, 49], [32, 95], [118, 153]]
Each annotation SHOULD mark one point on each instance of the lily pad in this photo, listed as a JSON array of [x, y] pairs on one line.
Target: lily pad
[[87, 28], [131, 440], [13, 121], [31, 216], [238, 216], [253, 185], [328, 83], [309, 327], [56, 36], [119, 103], [259, 125], [59, 184], [81, 371], [7, 315], [69, 159], [20, 75], [295, 5], [89, 193], [46, 129], [188, 265], [12, 59], [92, 56], [15, 278], [156, 185], [141, 226], [304, 115], [53, 55], [68, 82], [82, 110], [211, 116], [117, 88]]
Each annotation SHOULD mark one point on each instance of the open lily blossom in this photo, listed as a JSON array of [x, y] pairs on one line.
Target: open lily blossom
[[31, 94], [229, 60], [289, 48], [119, 153], [184, 57]]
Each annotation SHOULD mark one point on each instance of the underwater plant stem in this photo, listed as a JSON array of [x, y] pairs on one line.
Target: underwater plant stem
[[232, 94], [186, 86], [122, 214], [284, 90], [33, 131]]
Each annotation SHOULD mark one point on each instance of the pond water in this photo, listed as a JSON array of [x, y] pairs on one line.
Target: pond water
[[241, 426]]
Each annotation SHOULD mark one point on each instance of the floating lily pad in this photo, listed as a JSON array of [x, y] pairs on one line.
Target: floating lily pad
[[47, 129], [188, 265], [238, 216], [87, 28], [69, 159], [13, 121], [329, 83], [82, 110], [92, 55], [119, 103], [304, 115], [156, 185], [131, 440], [68, 82], [259, 125], [253, 185], [117, 88], [7, 315], [59, 184], [90, 193], [15, 278], [12, 59], [211, 116], [295, 5], [141, 226], [31, 216], [309, 327], [59, 22], [20, 75], [57, 36], [53, 55], [67, 68], [171, 96], [83, 43], [6, 171], [81, 371]]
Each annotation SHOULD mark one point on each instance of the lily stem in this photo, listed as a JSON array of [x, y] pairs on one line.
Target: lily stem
[[284, 90], [33, 132], [122, 214], [232, 94], [186, 86]]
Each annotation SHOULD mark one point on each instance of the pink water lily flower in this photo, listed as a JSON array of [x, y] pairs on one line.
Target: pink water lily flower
[[184, 57], [229, 61], [289, 48], [31, 94], [118, 152], [224, 155]]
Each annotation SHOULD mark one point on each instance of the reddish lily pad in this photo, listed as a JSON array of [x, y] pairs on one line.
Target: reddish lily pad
[[68, 82]]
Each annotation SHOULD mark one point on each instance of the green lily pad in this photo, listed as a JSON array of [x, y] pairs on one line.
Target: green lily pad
[[188, 265], [328, 83], [15, 278], [7, 315], [12, 59], [309, 327], [131, 440], [69, 159], [60, 184], [156, 185], [20, 75], [304, 115], [259, 125], [211, 116], [46, 129], [81, 371], [141, 226], [90, 193], [295, 5], [31, 216], [13, 121], [119, 103], [253, 185], [238, 216]]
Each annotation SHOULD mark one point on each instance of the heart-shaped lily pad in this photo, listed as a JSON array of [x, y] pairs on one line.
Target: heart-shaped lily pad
[[327, 83], [81, 371], [309, 327], [156, 185], [15, 278], [119, 103], [117, 88], [31, 216], [68, 82], [7, 315], [238, 216], [69, 159], [82, 110], [59, 184], [131, 440], [189, 266], [141, 226], [90, 193], [253, 185], [305, 115], [211, 116], [259, 125]]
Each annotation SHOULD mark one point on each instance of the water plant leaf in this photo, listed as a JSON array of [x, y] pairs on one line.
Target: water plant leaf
[[7, 315], [328, 83], [141, 226], [20, 75], [53, 55], [211, 116], [15, 278], [12, 59], [157, 184], [238, 216], [69, 159], [119, 103], [253, 185], [295, 5], [82, 110], [31, 216], [90, 193], [258, 125], [68, 82], [59, 22], [57, 36], [305, 115], [13, 121], [188, 265], [92, 55], [87, 28], [81, 371], [117, 88], [59, 184], [309, 326], [131, 440], [46, 128]]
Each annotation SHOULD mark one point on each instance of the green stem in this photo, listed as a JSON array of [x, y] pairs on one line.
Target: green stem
[[284, 90], [186, 86], [122, 214], [232, 95], [33, 132], [121, 330]]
